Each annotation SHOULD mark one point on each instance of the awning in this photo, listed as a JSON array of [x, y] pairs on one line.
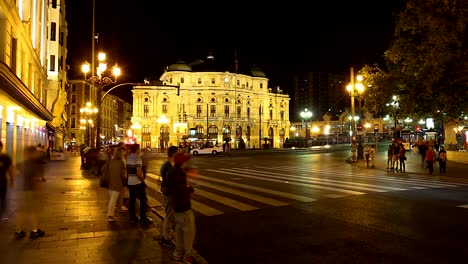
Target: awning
[[16, 89]]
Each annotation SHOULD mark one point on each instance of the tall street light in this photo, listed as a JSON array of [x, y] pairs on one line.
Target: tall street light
[[99, 80], [306, 114], [87, 115], [355, 89]]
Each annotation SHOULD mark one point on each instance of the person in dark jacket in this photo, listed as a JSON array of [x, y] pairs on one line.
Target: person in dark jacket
[[179, 193], [169, 220]]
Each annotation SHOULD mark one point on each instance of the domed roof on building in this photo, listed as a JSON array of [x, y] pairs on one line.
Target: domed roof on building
[[256, 72], [179, 66]]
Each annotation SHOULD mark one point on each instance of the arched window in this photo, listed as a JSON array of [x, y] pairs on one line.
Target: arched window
[[238, 132]]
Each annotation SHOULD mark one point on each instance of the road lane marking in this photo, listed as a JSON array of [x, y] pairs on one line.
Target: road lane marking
[[463, 206], [258, 189], [204, 209], [425, 183], [292, 183], [250, 196], [224, 200], [423, 179], [334, 196], [345, 184]]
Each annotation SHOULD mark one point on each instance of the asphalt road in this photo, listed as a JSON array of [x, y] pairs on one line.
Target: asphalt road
[[316, 208]]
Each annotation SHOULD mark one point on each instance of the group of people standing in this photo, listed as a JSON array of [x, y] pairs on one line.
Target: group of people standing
[[127, 171], [430, 155], [396, 157], [124, 170]]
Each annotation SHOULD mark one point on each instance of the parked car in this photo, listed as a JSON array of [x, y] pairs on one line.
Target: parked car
[[213, 150]]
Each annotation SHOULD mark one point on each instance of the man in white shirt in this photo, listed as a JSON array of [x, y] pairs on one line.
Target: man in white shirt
[[136, 185]]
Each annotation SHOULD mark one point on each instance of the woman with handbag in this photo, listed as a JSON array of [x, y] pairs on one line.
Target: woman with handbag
[[116, 172]]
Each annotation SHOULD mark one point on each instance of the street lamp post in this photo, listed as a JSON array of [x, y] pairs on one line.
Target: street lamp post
[[100, 82], [355, 89], [306, 114], [87, 114]]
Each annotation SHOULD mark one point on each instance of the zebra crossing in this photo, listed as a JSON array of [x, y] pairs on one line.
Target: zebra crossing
[[247, 188]]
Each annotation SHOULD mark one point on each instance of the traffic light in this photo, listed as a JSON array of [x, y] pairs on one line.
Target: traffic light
[[359, 127]]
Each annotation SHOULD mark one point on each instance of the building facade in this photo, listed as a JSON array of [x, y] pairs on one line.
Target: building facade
[[193, 107], [115, 116], [25, 105], [57, 73], [320, 92]]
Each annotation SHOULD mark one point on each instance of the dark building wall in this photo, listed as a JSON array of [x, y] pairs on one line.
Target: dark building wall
[[320, 92]]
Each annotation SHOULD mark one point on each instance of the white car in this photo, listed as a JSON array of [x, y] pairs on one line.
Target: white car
[[213, 150]]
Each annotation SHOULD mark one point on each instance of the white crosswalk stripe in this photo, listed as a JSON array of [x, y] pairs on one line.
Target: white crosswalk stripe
[[272, 179], [324, 178], [247, 195], [259, 189], [362, 186], [356, 175]]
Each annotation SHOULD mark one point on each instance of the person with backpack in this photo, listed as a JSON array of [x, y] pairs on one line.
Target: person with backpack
[[442, 158]]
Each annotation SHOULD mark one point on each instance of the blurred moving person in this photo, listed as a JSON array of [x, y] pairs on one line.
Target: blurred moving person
[[31, 175], [7, 174], [179, 193], [115, 169], [169, 220]]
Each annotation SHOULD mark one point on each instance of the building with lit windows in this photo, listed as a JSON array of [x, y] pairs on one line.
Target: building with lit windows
[[194, 107], [115, 116], [57, 73], [27, 101]]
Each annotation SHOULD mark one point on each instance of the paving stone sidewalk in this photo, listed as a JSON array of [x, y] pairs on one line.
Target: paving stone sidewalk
[[73, 215]]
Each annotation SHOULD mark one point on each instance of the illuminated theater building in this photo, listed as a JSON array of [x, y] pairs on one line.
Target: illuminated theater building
[[210, 106]]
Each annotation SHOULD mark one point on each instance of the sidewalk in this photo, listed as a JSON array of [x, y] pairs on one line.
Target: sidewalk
[[414, 165], [73, 214]]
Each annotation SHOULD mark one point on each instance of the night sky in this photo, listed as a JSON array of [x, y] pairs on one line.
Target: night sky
[[144, 37]]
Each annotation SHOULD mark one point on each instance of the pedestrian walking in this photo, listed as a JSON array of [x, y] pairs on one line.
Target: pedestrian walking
[[7, 174], [353, 151], [372, 156], [169, 220], [430, 158], [422, 148], [390, 157], [32, 172], [136, 185], [116, 172], [179, 193], [442, 158], [124, 191], [395, 153], [367, 154], [402, 158]]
